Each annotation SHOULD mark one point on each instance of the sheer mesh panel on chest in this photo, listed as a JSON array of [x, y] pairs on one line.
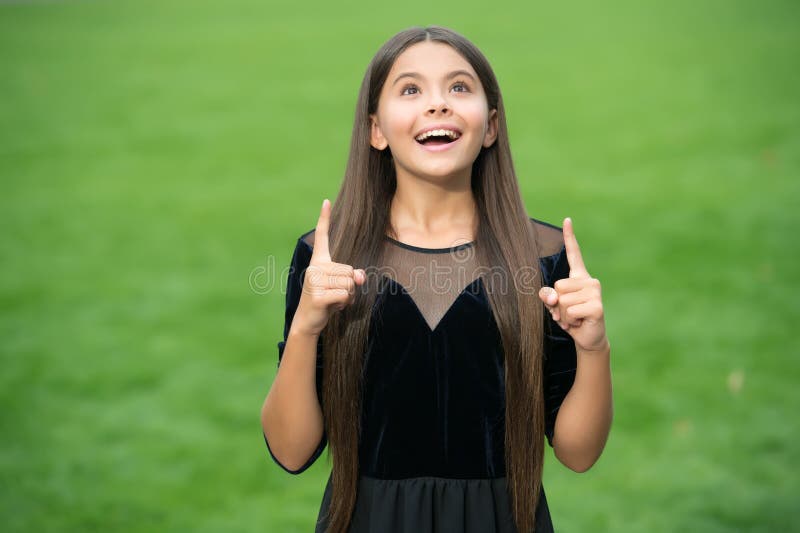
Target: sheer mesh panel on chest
[[433, 280]]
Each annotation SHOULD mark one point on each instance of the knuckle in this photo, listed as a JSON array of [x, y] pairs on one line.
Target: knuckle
[[311, 289], [313, 281]]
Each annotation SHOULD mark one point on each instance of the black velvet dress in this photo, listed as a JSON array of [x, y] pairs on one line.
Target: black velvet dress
[[431, 453]]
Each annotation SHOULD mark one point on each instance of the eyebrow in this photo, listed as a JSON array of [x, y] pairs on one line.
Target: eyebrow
[[418, 75]]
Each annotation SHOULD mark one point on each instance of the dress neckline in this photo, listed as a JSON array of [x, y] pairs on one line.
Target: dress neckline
[[429, 250]]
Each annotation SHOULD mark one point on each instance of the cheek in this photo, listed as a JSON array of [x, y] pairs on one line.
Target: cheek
[[398, 120], [477, 115]]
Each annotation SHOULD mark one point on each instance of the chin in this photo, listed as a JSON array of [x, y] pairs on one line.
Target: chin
[[437, 171], [445, 168], [442, 177]]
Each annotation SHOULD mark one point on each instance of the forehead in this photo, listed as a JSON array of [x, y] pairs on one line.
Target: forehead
[[430, 56]]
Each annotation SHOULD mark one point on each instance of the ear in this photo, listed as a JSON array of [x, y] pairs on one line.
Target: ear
[[376, 138], [491, 129]]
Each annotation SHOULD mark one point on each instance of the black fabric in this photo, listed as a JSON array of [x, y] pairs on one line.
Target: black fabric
[[426, 504], [434, 397]]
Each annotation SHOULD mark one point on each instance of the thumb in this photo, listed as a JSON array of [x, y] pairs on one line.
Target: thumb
[[360, 276], [548, 295]]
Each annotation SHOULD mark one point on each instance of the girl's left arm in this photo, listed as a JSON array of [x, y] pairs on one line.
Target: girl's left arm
[[584, 419]]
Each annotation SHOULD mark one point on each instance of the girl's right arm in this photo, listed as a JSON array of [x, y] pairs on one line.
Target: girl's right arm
[[291, 416]]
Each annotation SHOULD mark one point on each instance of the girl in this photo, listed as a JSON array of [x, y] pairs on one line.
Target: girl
[[435, 334]]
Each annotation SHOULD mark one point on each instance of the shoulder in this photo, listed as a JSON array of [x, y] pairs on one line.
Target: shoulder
[[303, 249], [543, 225], [307, 239], [552, 252], [549, 237]]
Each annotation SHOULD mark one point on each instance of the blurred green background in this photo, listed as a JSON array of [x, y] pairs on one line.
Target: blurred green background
[[154, 155]]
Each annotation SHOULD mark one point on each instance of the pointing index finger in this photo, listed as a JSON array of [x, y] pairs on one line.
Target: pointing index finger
[[321, 233], [576, 267]]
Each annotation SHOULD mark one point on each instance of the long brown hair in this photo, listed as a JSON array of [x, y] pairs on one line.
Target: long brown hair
[[505, 240]]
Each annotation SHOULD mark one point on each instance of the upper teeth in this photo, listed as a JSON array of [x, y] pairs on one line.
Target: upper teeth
[[452, 134]]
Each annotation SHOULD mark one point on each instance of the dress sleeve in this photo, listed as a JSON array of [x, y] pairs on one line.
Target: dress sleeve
[[294, 287], [560, 356]]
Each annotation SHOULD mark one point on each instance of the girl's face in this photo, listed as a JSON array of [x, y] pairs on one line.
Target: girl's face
[[429, 86]]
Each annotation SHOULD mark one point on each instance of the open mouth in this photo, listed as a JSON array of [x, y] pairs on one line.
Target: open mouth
[[438, 137]]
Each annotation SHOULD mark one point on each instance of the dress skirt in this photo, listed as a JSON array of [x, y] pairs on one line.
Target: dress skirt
[[433, 505]]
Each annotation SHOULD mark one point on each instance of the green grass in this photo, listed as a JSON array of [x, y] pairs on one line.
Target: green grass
[[154, 154]]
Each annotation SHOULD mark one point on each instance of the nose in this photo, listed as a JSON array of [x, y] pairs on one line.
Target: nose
[[438, 106]]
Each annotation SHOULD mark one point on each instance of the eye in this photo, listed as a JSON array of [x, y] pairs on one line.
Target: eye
[[462, 85], [409, 86]]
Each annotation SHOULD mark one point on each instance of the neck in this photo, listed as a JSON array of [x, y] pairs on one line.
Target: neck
[[427, 208]]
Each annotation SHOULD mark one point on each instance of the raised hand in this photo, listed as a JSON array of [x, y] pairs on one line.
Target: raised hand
[[327, 286], [575, 302]]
